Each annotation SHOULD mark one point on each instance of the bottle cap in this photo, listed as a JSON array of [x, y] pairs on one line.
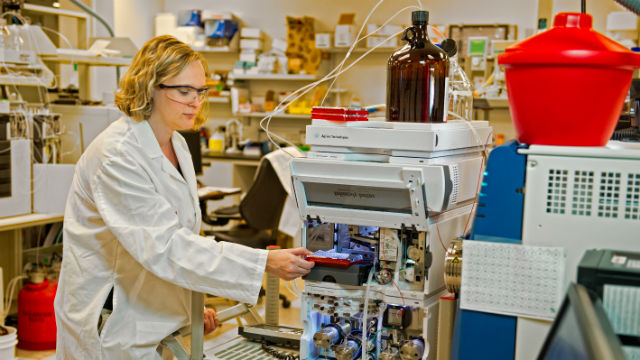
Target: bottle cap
[[449, 46], [420, 17]]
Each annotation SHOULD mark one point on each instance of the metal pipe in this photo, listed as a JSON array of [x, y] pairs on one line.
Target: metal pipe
[[90, 11]]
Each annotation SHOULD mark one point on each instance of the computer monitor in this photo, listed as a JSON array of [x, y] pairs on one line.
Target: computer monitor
[[581, 330], [192, 137]]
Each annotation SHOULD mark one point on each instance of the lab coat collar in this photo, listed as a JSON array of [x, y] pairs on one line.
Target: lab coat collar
[[147, 138], [150, 145]]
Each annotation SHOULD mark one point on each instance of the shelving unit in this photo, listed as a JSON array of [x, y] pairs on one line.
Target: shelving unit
[[211, 49], [12, 240], [278, 115], [359, 50], [43, 249], [18, 222], [218, 99], [272, 77], [20, 81], [84, 62], [88, 60]]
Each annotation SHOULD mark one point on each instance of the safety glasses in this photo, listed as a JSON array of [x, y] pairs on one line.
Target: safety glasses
[[185, 94]]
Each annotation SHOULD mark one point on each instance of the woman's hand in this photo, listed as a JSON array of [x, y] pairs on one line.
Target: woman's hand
[[287, 264], [210, 320]]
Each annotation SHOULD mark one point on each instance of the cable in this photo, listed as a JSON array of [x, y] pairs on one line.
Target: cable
[[400, 291], [364, 343], [295, 284], [339, 67], [286, 285], [10, 290], [435, 219], [72, 60], [294, 288], [364, 23], [90, 11], [475, 199], [305, 89]]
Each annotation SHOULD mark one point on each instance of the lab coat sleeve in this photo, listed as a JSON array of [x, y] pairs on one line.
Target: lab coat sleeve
[[148, 227]]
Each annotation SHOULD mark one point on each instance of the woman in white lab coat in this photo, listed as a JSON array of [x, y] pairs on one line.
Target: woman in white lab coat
[[132, 221]]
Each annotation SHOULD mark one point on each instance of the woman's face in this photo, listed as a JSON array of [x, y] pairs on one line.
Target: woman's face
[[177, 101]]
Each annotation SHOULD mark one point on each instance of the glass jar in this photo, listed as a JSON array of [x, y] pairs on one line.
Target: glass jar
[[416, 76]]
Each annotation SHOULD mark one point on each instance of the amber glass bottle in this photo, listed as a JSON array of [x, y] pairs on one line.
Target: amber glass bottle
[[416, 76]]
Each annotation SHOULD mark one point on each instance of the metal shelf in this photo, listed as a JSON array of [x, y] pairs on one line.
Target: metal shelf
[[42, 249], [279, 115], [271, 77], [88, 60], [218, 99], [213, 49], [379, 50], [22, 221], [21, 81]]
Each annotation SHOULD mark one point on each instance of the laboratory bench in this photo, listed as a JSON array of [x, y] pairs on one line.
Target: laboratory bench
[[12, 244], [234, 157], [229, 170]]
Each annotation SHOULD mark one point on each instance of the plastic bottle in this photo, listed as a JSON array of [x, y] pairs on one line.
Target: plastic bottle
[[216, 141], [460, 101], [36, 319], [416, 76]]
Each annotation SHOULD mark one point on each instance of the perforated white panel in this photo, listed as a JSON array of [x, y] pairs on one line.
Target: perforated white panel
[[557, 191], [582, 193], [632, 199], [588, 192], [455, 178], [609, 194]]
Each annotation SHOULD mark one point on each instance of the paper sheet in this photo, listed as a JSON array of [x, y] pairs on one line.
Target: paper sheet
[[209, 189]]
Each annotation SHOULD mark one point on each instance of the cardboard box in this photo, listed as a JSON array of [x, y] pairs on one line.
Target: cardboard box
[[372, 41], [253, 44], [323, 40], [250, 33], [345, 31], [343, 36], [278, 45], [248, 55], [389, 30], [302, 54], [379, 35]]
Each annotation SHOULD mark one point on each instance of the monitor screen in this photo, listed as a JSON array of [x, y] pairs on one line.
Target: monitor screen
[[581, 330], [192, 137]]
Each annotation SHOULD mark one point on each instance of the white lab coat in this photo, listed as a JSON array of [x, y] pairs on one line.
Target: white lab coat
[[132, 223]]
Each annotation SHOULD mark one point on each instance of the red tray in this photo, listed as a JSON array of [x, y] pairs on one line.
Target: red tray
[[343, 263]]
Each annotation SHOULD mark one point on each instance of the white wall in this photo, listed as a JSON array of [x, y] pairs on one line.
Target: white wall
[[135, 18], [598, 9], [103, 79]]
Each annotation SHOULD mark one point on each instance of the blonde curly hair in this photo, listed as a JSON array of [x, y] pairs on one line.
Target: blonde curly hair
[[160, 59]]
